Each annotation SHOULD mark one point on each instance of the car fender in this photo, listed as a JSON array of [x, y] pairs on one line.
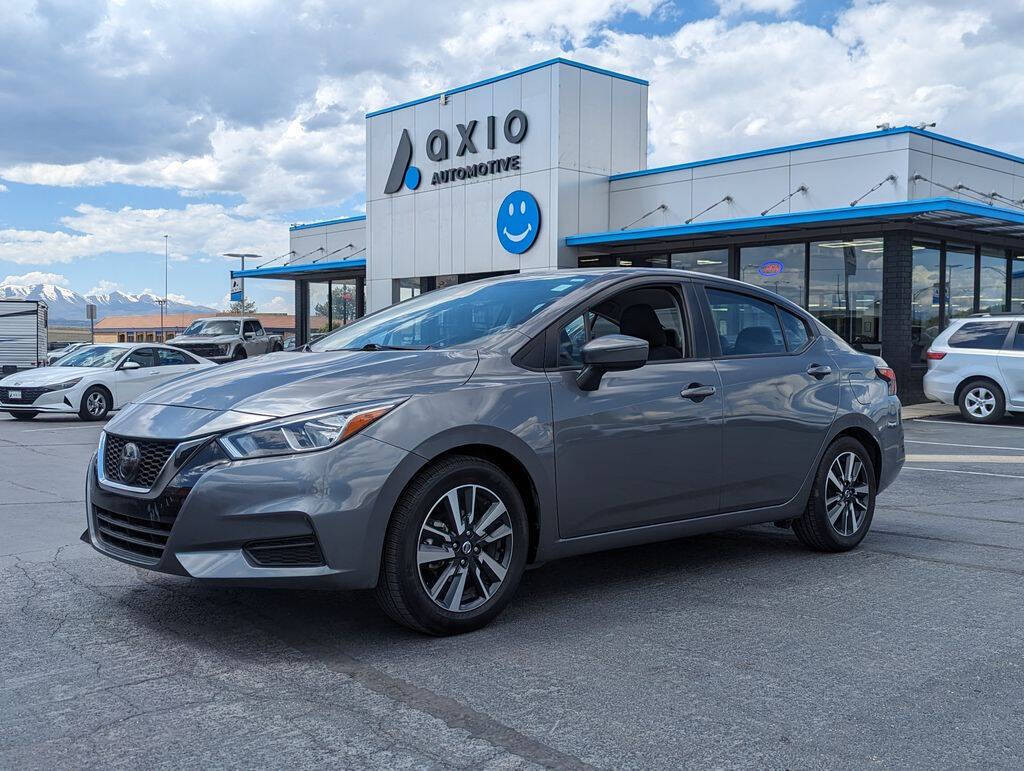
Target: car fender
[[460, 436]]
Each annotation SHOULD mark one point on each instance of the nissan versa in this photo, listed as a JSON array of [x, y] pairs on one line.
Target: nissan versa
[[436, 448]]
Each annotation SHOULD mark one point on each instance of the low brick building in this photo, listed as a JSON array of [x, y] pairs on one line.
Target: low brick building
[[146, 329]]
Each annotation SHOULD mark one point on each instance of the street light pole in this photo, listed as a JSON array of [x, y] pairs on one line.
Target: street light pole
[[163, 331]]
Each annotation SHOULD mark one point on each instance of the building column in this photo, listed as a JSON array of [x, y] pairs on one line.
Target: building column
[[360, 296], [897, 288], [301, 312]]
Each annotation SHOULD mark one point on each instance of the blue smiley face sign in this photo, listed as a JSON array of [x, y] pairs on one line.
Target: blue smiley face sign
[[518, 221]]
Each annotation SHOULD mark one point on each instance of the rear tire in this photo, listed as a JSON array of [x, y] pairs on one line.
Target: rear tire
[[23, 415], [842, 501], [478, 556], [95, 404], [982, 401]]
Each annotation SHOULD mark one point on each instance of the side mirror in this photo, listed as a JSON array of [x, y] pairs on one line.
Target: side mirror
[[131, 365], [249, 335], [611, 353]]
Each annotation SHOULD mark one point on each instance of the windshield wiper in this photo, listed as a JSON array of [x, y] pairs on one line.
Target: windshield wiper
[[379, 347]]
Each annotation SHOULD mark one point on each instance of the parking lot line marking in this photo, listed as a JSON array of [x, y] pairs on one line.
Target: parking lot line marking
[[54, 428], [954, 471], [965, 458], [972, 446], [965, 423]]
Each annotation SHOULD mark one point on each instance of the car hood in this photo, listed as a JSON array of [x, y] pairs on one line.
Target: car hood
[[281, 384], [202, 339], [44, 376]]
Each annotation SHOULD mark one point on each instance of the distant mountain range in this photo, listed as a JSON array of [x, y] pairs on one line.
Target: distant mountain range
[[68, 307]]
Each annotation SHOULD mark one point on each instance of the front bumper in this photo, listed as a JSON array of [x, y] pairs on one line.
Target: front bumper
[[210, 515], [66, 401]]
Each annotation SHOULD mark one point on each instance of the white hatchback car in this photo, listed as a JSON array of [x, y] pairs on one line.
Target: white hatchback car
[[977, 363], [96, 379]]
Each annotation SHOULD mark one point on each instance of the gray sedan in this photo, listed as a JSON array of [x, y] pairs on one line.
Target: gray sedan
[[432, 450]]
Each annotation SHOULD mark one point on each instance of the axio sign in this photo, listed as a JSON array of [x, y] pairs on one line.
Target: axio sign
[[437, 148]]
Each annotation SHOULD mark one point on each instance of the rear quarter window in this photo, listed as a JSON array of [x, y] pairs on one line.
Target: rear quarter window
[[988, 335]]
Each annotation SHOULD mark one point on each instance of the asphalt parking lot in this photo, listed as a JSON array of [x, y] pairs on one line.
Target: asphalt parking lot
[[738, 649]]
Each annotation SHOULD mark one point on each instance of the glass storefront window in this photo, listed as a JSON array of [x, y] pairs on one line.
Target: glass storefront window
[[1017, 284], [992, 284], [405, 289], [318, 310], [779, 268], [713, 261], [343, 303], [959, 281], [924, 300], [846, 289]]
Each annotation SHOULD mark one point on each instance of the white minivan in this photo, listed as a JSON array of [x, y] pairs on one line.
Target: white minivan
[[977, 363]]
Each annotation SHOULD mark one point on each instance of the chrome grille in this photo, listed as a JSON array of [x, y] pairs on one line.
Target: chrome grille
[[153, 454]]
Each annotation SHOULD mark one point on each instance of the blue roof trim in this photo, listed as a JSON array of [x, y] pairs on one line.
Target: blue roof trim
[[506, 76], [327, 222], [286, 270], [819, 143], [920, 206]]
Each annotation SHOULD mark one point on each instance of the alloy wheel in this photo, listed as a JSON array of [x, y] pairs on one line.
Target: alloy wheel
[[980, 402], [464, 548], [96, 404], [847, 493]]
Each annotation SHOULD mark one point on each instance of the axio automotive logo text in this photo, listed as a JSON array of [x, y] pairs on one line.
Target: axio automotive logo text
[[402, 172]]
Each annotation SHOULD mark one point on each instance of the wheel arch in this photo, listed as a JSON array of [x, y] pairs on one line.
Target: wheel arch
[[101, 386], [970, 379], [869, 443]]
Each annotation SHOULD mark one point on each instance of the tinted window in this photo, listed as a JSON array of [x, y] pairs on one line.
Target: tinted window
[[1018, 340], [745, 325], [169, 358], [249, 328], [457, 315], [796, 330], [980, 334], [144, 356]]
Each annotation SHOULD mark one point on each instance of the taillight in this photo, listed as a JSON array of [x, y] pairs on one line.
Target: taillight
[[887, 374], [936, 355]]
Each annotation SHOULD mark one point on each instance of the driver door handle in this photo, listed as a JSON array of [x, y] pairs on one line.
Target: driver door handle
[[819, 370], [697, 392]]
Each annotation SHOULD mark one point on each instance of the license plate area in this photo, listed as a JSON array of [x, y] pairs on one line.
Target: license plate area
[[14, 394]]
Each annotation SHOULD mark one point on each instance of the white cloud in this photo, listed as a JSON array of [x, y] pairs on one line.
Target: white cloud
[[35, 277], [779, 7], [198, 228], [104, 287], [3, 188], [278, 304]]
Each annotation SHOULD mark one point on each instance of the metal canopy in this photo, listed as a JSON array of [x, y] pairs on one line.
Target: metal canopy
[[319, 271], [943, 212]]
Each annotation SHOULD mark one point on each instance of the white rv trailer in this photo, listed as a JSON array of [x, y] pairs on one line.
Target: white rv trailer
[[23, 338]]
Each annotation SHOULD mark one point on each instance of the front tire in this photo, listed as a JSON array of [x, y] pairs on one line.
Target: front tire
[[95, 404], [982, 401], [455, 549], [842, 502], [239, 354], [23, 415]]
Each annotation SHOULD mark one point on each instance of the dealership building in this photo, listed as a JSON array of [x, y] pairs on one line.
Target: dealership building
[[884, 236]]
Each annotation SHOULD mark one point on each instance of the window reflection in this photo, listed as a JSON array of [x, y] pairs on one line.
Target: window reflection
[[713, 261], [992, 297], [846, 289], [1017, 285], [924, 300], [959, 281], [779, 268]]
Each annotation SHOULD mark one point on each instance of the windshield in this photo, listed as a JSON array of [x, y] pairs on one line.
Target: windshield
[[212, 328], [457, 316], [93, 356]]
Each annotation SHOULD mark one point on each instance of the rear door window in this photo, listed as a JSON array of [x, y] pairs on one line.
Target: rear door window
[[746, 326], [1018, 340], [987, 335]]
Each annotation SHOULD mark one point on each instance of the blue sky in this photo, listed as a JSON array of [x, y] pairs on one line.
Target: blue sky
[[219, 124]]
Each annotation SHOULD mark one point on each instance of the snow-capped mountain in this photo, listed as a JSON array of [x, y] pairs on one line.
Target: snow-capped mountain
[[68, 306]]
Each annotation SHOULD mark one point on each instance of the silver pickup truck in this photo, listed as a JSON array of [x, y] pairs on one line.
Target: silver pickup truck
[[227, 339]]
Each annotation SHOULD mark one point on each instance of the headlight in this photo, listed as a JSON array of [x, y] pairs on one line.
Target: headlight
[[223, 349], [302, 433], [66, 384]]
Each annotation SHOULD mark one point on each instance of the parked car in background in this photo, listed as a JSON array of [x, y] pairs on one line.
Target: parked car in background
[[977, 363], [435, 448], [95, 379], [59, 353], [224, 339], [23, 334]]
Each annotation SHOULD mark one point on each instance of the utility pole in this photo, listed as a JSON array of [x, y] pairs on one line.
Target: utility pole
[[163, 305]]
